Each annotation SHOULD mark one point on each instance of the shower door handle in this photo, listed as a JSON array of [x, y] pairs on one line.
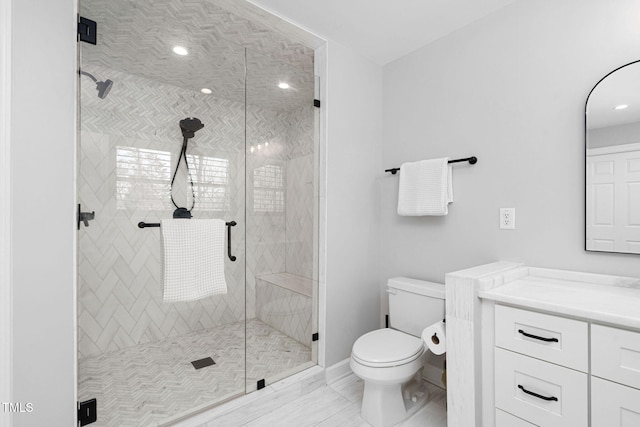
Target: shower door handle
[[229, 225]]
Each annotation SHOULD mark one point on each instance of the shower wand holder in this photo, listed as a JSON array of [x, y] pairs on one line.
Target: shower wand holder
[[182, 213]]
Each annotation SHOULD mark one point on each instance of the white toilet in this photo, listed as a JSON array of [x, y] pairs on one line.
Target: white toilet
[[390, 360]]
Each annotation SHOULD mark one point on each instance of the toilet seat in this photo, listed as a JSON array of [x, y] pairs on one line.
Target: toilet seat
[[386, 348]]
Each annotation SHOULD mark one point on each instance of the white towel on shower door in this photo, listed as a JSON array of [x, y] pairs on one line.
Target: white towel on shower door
[[193, 258], [425, 188]]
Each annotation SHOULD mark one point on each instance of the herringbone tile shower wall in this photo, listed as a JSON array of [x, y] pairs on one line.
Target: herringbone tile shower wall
[[129, 147], [136, 36], [300, 192]]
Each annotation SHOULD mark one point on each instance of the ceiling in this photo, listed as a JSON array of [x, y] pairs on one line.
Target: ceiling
[[137, 36], [382, 30]]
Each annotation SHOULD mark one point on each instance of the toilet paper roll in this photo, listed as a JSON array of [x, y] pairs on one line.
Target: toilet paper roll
[[435, 337]]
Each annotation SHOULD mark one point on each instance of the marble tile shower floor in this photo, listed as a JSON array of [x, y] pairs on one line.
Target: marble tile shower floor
[[150, 383]]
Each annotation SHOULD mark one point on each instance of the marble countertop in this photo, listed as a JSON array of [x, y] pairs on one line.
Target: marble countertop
[[617, 304]]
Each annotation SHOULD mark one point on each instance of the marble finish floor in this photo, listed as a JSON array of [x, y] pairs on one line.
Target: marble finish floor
[[153, 382], [305, 400]]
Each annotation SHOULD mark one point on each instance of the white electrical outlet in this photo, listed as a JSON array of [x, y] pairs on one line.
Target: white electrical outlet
[[508, 218]]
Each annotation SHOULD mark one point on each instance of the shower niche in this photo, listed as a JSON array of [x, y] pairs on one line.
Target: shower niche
[[253, 162]]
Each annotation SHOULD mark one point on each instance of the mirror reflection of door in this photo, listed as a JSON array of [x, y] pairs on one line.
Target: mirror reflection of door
[[613, 162]]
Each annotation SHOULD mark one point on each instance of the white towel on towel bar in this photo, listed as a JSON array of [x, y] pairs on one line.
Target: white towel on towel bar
[[193, 258], [425, 188]]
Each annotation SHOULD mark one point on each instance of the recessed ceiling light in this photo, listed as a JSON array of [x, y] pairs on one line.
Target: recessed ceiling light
[[206, 90], [621, 107], [180, 50], [283, 85]]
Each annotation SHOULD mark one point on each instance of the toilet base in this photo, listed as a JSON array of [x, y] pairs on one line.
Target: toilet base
[[384, 405]]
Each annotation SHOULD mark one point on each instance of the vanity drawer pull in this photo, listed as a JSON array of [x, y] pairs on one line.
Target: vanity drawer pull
[[539, 396], [555, 339], [537, 337]]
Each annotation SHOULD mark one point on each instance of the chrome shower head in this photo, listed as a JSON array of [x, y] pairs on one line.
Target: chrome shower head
[[103, 88]]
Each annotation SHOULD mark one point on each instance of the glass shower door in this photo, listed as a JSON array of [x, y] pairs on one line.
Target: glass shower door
[[282, 214], [136, 350], [148, 358]]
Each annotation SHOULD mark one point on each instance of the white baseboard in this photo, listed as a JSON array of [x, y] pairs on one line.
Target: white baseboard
[[337, 371]]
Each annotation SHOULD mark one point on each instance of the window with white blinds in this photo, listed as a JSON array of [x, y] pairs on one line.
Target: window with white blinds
[[143, 178], [268, 189]]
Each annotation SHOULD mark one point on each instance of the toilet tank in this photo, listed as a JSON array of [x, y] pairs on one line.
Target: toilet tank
[[414, 304]]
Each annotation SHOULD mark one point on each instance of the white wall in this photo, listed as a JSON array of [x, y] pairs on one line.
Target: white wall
[[43, 210], [509, 89], [354, 108], [5, 211]]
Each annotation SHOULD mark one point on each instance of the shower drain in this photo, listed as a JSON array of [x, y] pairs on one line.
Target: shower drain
[[203, 363]]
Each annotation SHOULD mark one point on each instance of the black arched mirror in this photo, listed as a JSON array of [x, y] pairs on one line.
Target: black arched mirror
[[612, 141]]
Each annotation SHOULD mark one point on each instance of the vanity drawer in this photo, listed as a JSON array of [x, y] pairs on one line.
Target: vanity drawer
[[615, 355], [542, 393], [504, 419], [614, 405], [555, 339]]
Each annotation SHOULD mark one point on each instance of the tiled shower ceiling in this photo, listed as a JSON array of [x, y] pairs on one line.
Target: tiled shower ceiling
[[136, 37]]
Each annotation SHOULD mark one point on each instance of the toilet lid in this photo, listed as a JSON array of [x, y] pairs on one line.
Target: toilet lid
[[387, 347]]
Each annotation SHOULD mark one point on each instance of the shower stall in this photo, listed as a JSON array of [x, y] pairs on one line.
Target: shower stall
[[252, 155]]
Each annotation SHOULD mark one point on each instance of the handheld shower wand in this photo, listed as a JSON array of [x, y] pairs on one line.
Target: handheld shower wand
[[189, 127]]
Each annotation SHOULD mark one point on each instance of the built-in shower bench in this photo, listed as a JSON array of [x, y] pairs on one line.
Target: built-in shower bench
[[284, 302]]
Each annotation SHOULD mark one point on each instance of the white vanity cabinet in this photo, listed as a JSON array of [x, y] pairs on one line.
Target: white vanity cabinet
[[615, 377], [531, 346], [541, 368], [614, 405], [615, 355], [506, 419], [543, 376]]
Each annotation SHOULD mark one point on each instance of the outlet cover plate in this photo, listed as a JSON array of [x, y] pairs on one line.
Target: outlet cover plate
[[507, 218]]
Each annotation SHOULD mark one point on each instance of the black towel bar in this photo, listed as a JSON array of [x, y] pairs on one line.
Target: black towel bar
[[472, 160], [230, 224], [142, 224]]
